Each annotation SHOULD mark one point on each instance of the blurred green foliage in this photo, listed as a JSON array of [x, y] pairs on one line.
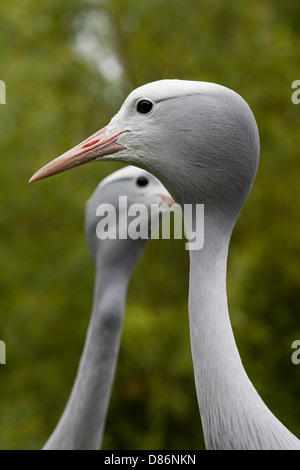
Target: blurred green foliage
[[67, 68]]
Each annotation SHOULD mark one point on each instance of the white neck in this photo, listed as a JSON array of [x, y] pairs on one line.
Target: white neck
[[233, 414], [82, 423]]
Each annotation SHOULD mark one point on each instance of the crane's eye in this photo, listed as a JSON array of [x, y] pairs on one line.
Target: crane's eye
[[142, 181], [144, 106]]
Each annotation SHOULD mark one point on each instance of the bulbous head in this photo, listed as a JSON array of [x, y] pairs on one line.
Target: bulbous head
[[200, 139], [122, 195]]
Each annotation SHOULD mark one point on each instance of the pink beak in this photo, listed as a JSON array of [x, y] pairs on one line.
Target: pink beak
[[96, 146], [167, 200]]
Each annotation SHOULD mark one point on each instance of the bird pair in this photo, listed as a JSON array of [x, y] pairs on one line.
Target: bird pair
[[201, 140]]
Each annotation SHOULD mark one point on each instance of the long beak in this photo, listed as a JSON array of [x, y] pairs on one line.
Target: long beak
[[96, 146]]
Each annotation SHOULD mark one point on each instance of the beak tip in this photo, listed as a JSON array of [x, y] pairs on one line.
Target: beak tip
[[39, 175], [34, 178]]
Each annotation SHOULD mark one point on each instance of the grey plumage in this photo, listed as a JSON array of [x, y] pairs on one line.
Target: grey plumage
[[201, 140], [82, 423]]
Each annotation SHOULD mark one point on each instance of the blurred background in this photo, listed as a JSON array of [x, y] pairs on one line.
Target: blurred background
[[67, 68]]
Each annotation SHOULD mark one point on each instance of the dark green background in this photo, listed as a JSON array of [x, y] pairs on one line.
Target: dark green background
[[57, 95]]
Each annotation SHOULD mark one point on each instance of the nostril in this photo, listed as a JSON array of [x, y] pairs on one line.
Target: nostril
[[89, 144]]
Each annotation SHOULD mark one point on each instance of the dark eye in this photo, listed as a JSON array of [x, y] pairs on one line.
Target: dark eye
[[144, 106], [142, 181]]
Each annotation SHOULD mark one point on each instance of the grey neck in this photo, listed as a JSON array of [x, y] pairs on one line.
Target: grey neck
[[233, 414], [82, 423]]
